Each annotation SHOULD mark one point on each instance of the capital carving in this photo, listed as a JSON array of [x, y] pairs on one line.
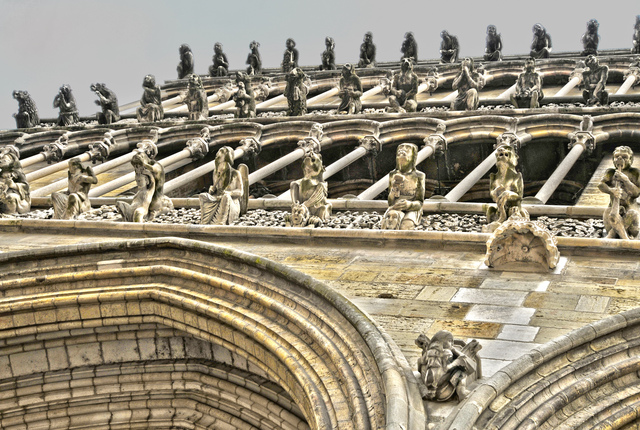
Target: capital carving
[[225, 92], [54, 152], [577, 71], [310, 145], [633, 70], [250, 146], [583, 138], [385, 84], [437, 141], [99, 151], [372, 144], [508, 139]]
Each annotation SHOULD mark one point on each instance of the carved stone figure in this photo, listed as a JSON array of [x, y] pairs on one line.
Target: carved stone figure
[[227, 198], [432, 79], [447, 367], [108, 101], [506, 188], [449, 48], [528, 87], [468, 82], [27, 115], [367, 51], [406, 191], [149, 199], [594, 79], [350, 91], [262, 88], [636, 37], [185, 67], [253, 60], [296, 92], [69, 204], [622, 218], [220, 65], [244, 97], [329, 55], [404, 89], [150, 109], [66, 102], [196, 99], [14, 188], [591, 38], [309, 195], [290, 57], [493, 50], [541, 44], [409, 47]]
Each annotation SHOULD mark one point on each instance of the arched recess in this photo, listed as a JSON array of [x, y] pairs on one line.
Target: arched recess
[[172, 334]]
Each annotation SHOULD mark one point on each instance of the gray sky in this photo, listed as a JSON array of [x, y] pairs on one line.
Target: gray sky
[[49, 43]]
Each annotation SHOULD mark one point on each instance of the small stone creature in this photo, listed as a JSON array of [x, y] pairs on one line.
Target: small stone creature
[[185, 67], [541, 44], [150, 109], [329, 55], [350, 91], [468, 82], [253, 60], [27, 115], [406, 191], [69, 204], [290, 57], [296, 92], [594, 79], [244, 97], [591, 39], [310, 192], [404, 89], [14, 187], [220, 65], [108, 101], [66, 102], [409, 47], [196, 99], [528, 92], [449, 48], [367, 51], [622, 218], [493, 50]]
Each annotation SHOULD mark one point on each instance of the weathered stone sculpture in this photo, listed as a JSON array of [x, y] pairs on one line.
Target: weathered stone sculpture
[[261, 88], [622, 218], [590, 39], [528, 92], [493, 50], [69, 204], [541, 44], [432, 79], [329, 55], [350, 91], [149, 199], [196, 99], [409, 47], [406, 191], [66, 102], [227, 198], [309, 195], [27, 115], [290, 57], [296, 92], [14, 188], [253, 60], [594, 79], [449, 48], [404, 89], [150, 109], [108, 101], [185, 67], [220, 65], [468, 82], [506, 188], [447, 367], [635, 49], [367, 51], [244, 97]]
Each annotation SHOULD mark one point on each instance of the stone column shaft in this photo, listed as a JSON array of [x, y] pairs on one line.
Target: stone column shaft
[[276, 165], [558, 175], [471, 179], [573, 82], [38, 158], [322, 96], [626, 86]]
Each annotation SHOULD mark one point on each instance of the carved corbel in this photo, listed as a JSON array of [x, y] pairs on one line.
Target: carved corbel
[[437, 141], [250, 146], [99, 151], [509, 139], [312, 143], [372, 144], [199, 147], [584, 136], [578, 70], [633, 70], [54, 152], [385, 84]]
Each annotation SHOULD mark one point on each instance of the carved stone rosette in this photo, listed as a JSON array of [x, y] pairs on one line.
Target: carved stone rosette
[[523, 245]]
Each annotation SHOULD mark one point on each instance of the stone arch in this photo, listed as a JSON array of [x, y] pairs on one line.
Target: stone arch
[[121, 311]]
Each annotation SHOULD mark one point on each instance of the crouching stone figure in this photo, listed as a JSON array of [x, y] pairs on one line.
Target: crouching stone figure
[[14, 188], [69, 204], [309, 195]]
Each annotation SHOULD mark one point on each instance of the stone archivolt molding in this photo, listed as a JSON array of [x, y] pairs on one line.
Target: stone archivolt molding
[[587, 378], [187, 334]]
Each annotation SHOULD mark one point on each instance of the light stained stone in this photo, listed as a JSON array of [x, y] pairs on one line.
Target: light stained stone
[[519, 333], [491, 366], [551, 301], [504, 349], [516, 284], [436, 294], [500, 314], [485, 296], [592, 304]]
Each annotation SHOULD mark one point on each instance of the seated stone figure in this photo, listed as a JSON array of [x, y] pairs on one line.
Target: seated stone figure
[[506, 188], [621, 218], [447, 367], [409, 47], [220, 65], [406, 191], [591, 39], [244, 97], [448, 48], [468, 82], [594, 79], [253, 60], [528, 87], [108, 101], [69, 204], [150, 109], [290, 57], [27, 115], [636, 37], [227, 198], [14, 188], [350, 91], [196, 99], [367, 52], [404, 89], [66, 102], [185, 67], [541, 44], [329, 55], [311, 193], [296, 92], [493, 50]]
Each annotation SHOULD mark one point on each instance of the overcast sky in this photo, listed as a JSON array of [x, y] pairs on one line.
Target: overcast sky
[[45, 44]]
